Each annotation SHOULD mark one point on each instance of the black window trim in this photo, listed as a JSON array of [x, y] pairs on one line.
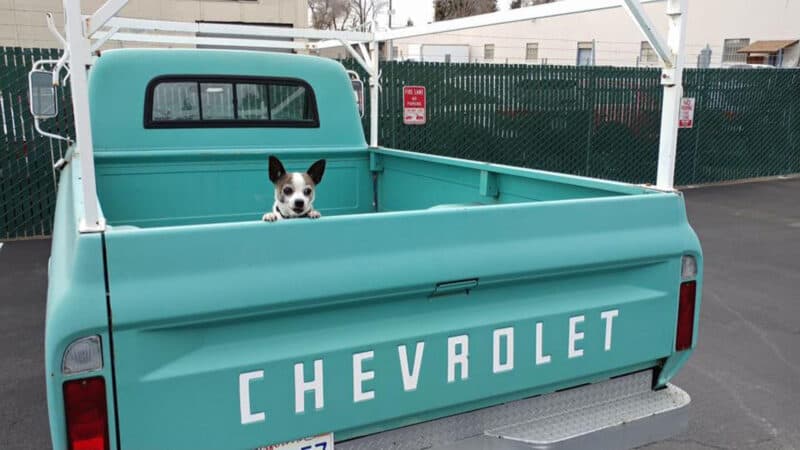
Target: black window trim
[[228, 123]]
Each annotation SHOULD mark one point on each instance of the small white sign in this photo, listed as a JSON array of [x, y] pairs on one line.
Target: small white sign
[[686, 113], [321, 442]]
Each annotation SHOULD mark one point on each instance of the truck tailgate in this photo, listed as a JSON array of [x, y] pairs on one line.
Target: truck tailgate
[[249, 334]]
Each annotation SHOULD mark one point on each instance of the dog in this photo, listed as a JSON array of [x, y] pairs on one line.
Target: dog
[[294, 191]]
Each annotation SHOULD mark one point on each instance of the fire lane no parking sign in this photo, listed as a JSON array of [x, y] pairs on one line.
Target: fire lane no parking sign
[[414, 99], [686, 113]]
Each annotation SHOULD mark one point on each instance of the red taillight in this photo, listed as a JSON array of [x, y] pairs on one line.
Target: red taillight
[[683, 339], [87, 418]]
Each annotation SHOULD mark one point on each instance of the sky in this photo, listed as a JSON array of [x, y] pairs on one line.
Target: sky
[[420, 11]]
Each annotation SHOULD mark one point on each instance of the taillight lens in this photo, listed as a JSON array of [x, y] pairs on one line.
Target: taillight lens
[[683, 339], [87, 418]]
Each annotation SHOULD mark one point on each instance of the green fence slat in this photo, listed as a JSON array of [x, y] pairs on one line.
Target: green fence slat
[[18, 215], [5, 146], [27, 191], [37, 176]]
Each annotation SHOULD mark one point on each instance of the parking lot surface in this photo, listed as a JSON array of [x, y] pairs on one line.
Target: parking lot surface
[[744, 377]]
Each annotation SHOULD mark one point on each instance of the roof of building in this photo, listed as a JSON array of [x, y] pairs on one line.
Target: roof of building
[[767, 46]]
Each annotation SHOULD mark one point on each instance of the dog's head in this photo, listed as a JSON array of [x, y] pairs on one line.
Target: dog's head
[[294, 191]]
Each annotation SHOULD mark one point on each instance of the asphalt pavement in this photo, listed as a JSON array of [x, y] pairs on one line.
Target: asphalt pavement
[[744, 377], [23, 401]]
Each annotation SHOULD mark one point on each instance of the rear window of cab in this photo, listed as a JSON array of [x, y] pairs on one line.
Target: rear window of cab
[[202, 101]]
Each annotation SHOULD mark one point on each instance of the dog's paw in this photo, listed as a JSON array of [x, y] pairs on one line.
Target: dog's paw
[[270, 217], [314, 214]]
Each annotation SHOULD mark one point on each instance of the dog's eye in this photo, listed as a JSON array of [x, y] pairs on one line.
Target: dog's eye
[[307, 191], [287, 191]]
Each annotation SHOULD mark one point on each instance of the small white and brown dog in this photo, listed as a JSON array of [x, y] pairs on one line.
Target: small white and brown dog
[[294, 191]]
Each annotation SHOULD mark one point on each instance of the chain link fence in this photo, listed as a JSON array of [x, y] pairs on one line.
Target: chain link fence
[[747, 125], [27, 179], [600, 122], [595, 121]]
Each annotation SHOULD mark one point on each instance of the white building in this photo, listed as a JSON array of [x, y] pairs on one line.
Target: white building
[[609, 38], [22, 22]]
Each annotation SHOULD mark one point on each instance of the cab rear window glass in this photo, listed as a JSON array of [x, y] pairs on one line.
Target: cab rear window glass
[[198, 102]]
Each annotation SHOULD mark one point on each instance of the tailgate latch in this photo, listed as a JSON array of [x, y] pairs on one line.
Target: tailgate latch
[[454, 287]]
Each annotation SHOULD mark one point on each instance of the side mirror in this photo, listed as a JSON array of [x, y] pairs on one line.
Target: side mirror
[[358, 92], [42, 94]]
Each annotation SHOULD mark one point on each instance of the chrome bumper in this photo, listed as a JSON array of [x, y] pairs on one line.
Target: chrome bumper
[[623, 412]]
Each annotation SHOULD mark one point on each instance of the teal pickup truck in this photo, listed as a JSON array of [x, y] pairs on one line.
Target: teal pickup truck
[[437, 304]]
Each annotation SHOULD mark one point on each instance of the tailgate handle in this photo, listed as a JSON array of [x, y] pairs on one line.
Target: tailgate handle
[[454, 287]]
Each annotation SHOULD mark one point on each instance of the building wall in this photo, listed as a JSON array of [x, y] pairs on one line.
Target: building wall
[[22, 22], [791, 56], [617, 40]]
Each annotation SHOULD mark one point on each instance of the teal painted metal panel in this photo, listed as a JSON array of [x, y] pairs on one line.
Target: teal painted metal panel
[[76, 303], [198, 306], [203, 293], [117, 96], [162, 190]]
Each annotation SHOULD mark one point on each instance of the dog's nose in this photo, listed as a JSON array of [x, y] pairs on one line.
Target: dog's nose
[[299, 203]]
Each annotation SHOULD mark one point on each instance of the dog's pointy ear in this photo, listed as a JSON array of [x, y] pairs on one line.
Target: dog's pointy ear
[[276, 170], [316, 170]]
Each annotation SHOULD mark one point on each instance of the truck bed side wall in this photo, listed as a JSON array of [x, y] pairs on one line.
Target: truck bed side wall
[[417, 181], [76, 303], [220, 186]]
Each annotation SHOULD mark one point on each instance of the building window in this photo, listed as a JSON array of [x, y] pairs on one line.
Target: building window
[[488, 52], [585, 53], [647, 54], [729, 49], [531, 51]]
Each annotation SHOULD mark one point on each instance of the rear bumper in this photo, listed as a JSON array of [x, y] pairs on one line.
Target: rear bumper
[[624, 412]]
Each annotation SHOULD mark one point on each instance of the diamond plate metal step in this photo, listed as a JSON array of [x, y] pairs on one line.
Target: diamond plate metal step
[[619, 413]]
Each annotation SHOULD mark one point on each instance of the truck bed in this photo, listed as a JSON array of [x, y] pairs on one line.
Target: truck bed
[[218, 186], [411, 249]]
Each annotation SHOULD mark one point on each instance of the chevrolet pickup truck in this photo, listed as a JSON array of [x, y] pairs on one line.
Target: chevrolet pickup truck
[[438, 303]]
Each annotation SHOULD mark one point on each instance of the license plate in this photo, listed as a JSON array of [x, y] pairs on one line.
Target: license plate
[[321, 442]]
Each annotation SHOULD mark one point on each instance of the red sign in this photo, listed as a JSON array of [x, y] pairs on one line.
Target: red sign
[[686, 113], [414, 105]]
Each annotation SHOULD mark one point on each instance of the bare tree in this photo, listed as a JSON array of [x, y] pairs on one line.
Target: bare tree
[[451, 9], [366, 11], [345, 14], [520, 3], [330, 14]]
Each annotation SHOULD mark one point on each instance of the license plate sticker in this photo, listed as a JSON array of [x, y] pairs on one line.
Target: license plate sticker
[[321, 442]]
